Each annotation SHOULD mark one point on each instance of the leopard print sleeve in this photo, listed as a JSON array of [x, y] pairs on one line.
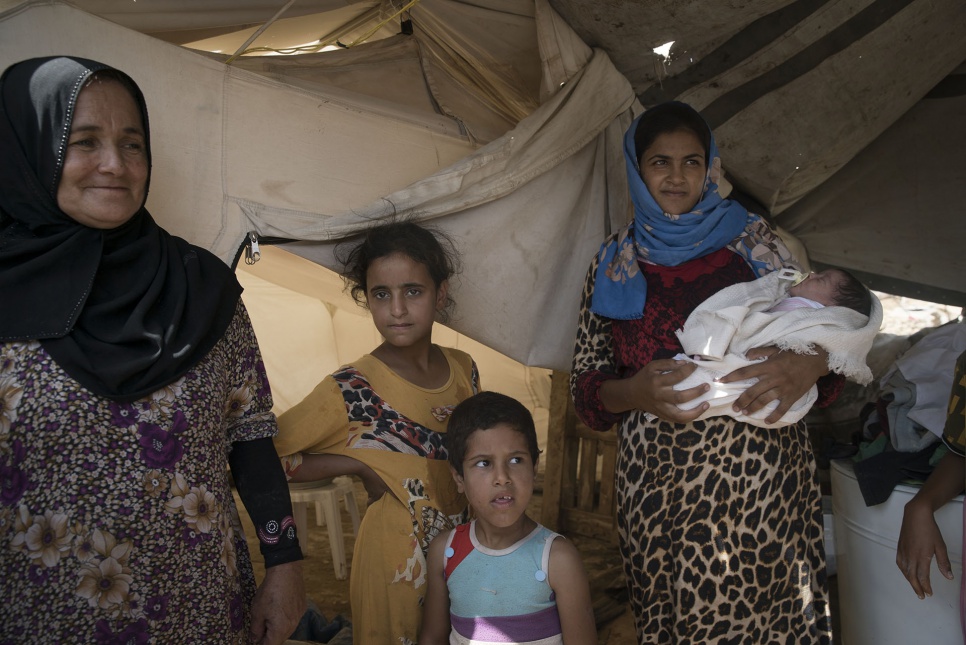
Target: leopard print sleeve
[[593, 360]]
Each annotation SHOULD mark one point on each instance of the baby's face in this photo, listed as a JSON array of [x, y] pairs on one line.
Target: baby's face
[[821, 287]]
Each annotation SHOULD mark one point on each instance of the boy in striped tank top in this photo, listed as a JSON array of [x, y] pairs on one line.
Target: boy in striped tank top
[[502, 578]]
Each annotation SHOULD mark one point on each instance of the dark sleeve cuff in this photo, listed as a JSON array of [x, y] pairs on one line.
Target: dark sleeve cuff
[[829, 388], [587, 404], [261, 485], [285, 555]]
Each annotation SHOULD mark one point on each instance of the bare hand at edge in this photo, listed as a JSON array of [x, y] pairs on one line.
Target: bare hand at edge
[[919, 540]]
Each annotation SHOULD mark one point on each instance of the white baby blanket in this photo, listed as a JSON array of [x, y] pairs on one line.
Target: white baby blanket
[[724, 327]]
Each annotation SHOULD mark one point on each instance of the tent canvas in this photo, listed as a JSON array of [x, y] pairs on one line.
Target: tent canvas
[[799, 93], [308, 326], [313, 148], [235, 152]]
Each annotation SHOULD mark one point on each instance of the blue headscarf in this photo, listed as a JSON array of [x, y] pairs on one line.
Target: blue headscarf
[[620, 289]]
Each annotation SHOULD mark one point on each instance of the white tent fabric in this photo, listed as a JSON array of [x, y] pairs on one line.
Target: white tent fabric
[[528, 209], [176, 17], [899, 203], [205, 21], [308, 326], [314, 147], [793, 89]]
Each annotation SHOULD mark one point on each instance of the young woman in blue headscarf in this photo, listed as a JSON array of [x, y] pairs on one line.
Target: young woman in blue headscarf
[[720, 522]]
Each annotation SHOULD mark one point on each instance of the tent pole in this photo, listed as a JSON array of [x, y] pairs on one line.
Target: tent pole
[[258, 32]]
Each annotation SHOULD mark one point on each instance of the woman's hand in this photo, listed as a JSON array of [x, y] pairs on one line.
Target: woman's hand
[[919, 540], [785, 376], [652, 390]]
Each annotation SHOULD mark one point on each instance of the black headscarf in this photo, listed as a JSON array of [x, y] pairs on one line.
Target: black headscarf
[[124, 311]]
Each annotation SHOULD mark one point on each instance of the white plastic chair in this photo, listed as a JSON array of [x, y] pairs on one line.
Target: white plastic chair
[[325, 495]]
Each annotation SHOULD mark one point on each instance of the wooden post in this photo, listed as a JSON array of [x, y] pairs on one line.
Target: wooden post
[[554, 458], [579, 479]]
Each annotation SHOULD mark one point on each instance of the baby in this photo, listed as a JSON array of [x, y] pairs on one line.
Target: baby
[[829, 288], [831, 309]]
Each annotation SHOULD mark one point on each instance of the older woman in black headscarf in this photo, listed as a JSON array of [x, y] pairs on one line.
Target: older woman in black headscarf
[[130, 380]]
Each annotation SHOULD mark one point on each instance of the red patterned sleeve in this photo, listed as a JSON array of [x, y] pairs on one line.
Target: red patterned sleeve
[[829, 388]]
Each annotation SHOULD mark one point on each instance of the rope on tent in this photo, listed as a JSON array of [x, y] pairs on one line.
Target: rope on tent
[[278, 14], [356, 23], [325, 41]]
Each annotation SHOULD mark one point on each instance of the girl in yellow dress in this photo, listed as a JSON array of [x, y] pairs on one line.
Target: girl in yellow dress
[[382, 418]]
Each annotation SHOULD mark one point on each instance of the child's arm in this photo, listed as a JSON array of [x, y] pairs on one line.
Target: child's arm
[[569, 582], [919, 538], [324, 466], [436, 628]]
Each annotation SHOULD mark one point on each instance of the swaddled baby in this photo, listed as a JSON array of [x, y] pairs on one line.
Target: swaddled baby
[[831, 309], [829, 288]]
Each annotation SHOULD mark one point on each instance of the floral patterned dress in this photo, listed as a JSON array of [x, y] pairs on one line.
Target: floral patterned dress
[[117, 522]]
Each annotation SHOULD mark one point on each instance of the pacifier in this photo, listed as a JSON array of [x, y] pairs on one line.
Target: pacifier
[[796, 277]]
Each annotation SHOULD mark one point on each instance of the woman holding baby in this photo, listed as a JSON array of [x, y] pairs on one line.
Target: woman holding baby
[[720, 521]]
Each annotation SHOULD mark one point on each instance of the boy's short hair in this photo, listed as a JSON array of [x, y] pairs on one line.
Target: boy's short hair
[[853, 294], [484, 411]]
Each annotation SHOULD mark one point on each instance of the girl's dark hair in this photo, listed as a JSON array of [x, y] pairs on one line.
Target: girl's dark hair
[[484, 411], [430, 247], [853, 294], [672, 116]]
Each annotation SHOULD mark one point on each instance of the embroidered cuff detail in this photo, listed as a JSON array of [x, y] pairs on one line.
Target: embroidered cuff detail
[[273, 531]]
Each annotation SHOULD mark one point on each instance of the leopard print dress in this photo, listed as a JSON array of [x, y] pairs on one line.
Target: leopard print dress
[[720, 522]]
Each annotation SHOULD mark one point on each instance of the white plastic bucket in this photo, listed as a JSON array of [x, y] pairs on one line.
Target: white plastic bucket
[[876, 604]]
